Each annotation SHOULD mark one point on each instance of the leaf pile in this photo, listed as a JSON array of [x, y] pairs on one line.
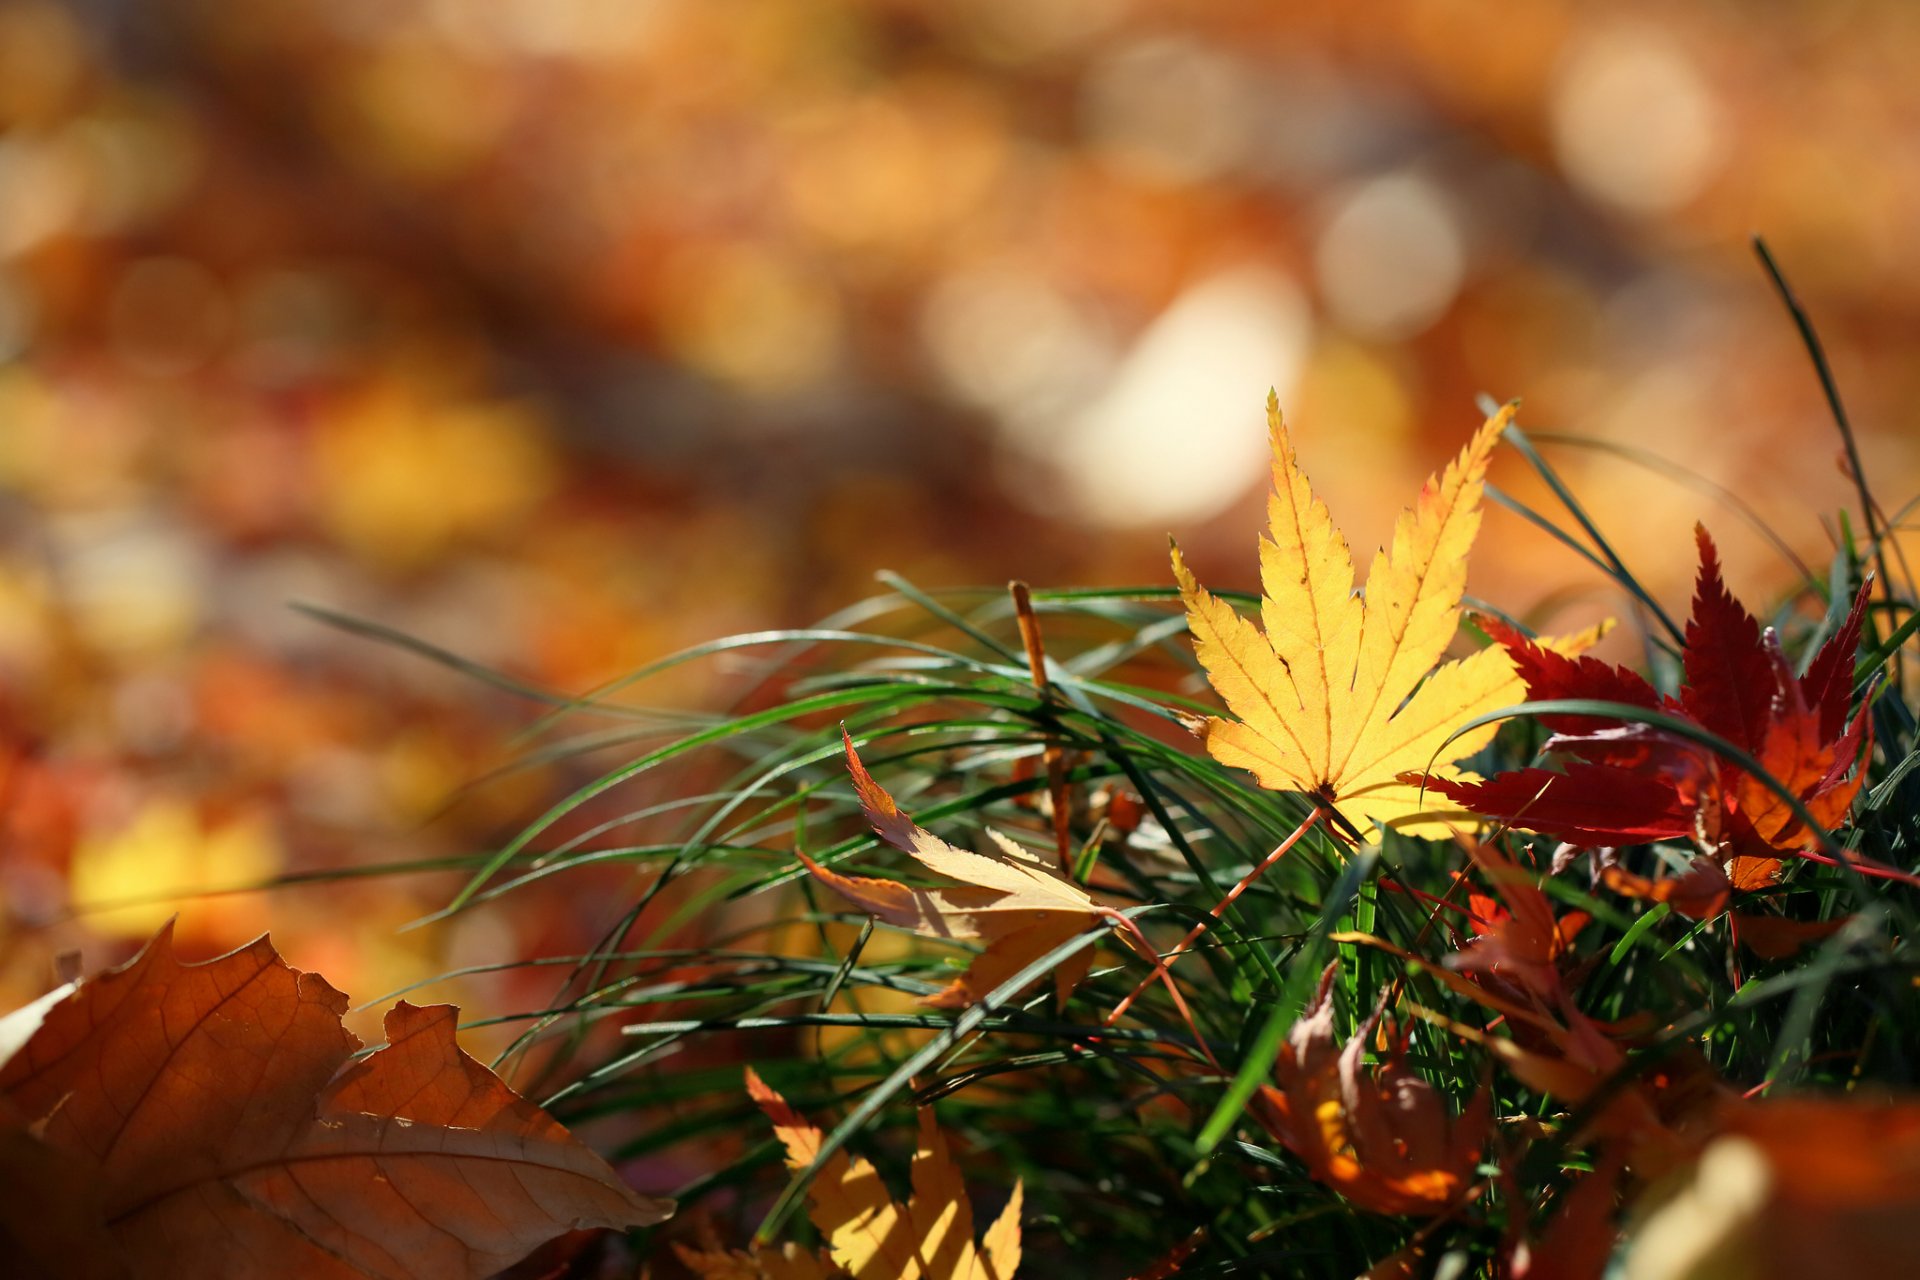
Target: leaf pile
[[1523, 1042]]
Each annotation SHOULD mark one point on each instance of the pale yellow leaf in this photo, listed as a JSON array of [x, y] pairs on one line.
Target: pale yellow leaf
[[1012, 899], [871, 1236]]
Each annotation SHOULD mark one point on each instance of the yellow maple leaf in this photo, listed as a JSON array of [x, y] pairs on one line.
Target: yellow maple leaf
[[1330, 699], [1011, 898], [875, 1238]]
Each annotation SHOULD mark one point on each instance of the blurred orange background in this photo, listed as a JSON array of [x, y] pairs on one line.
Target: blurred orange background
[[564, 333]]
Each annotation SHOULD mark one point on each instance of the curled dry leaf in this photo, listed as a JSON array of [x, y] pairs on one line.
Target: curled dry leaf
[[1627, 783], [1380, 1136], [1329, 698], [1012, 900], [214, 1116], [875, 1238]]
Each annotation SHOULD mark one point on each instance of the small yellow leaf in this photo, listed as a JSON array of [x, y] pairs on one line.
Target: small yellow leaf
[[871, 1236]]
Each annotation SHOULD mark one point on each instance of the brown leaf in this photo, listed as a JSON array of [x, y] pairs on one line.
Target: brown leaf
[[215, 1112], [50, 1215], [1578, 1239]]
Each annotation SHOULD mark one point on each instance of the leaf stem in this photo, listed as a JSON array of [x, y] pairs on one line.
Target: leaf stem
[[1219, 909]]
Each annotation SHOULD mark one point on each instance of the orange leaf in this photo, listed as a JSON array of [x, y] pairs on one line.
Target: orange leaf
[[1013, 900], [1578, 1239], [1382, 1136], [1700, 894], [712, 1261], [1776, 938], [217, 1114], [1523, 945]]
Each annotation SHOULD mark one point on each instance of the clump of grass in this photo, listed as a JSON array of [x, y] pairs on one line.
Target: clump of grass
[[1128, 1144]]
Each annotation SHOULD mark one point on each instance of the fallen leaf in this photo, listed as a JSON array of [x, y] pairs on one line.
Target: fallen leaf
[[1627, 783], [226, 1131], [1522, 967], [1381, 1137], [1329, 699], [1013, 900], [874, 1237], [50, 1215], [1777, 938], [1644, 1120], [1523, 948]]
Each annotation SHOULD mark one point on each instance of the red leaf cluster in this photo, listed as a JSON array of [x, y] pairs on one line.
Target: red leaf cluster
[[1628, 783]]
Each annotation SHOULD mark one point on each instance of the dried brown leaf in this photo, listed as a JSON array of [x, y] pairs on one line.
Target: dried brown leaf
[[216, 1114]]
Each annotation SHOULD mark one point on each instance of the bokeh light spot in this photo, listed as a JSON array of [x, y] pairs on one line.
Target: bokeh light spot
[[1177, 435], [167, 315], [1635, 124], [1391, 258], [748, 315], [1174, 109]]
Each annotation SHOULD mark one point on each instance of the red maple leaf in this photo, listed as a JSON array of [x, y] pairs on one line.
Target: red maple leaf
[[1620, 782]]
